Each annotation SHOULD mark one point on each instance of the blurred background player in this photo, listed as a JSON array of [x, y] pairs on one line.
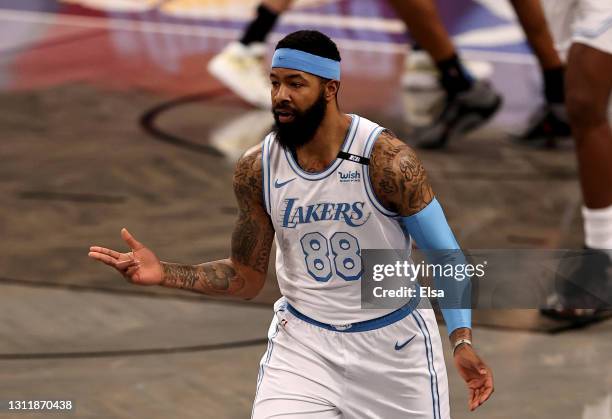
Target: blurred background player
[[582, 30], [432, 63], [468, 104], [550, 121]]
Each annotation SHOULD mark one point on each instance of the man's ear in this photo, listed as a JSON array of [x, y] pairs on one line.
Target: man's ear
[[331, 90]]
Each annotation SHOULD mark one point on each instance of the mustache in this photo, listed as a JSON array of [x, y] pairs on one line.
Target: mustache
[[284, 108]]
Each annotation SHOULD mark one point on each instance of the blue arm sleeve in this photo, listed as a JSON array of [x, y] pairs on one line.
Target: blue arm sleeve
[[431, 231]]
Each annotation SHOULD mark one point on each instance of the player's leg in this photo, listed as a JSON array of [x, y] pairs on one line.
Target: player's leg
[[423, 20], [397, 371], [469, 103], [266, 16], [589, 84], [550, 121], [295, 380], [587, 286], [240, 65], [588, 91]]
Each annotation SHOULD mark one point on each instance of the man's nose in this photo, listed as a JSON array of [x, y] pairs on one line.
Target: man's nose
[[282, 94]]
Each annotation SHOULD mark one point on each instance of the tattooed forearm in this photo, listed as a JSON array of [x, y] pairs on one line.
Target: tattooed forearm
[[213, 278], [222, 277], [398, 177], [180, 276]]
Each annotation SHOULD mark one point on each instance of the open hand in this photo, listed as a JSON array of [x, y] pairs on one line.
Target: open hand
[[476, 374], [139, 266]]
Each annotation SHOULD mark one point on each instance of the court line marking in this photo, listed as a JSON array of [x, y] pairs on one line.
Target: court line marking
[[121, 24]]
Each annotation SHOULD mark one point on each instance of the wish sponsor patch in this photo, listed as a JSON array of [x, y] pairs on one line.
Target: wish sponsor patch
[[349, 176]]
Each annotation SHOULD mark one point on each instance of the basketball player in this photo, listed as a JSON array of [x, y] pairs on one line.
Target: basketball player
[[549, 122], [469, 103], [584, 27], [324, 185]]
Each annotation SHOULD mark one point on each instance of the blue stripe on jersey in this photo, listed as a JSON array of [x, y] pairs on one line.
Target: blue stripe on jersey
[[269, 176], [346, 145], [265, 170], [365, 170], [264, 364], [366, 325], [264, 179], [433, 376]]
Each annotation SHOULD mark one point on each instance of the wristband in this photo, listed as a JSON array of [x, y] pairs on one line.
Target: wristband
[[460, 342]]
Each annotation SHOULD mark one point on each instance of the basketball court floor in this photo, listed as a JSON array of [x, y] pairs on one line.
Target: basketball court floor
[[109, 119]]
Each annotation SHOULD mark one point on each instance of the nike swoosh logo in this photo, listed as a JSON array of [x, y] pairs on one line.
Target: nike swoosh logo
[[278, 184], [399, 347]]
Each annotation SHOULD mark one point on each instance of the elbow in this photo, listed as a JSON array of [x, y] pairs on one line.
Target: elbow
[[251, 281], [252, 289]]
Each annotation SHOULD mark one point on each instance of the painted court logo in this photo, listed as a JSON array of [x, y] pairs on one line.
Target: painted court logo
[[350, 176]]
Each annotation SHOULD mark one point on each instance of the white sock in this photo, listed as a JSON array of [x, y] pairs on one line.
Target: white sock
[[598, 227]]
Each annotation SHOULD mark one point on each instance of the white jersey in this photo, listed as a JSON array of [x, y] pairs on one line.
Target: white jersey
[[322, 222]]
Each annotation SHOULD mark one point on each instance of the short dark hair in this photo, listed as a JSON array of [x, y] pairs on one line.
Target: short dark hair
[[313, 42]]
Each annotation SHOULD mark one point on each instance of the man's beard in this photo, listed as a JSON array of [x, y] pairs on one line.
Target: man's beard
[[298, 132]]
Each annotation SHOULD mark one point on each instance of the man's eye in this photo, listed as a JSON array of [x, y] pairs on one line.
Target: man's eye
[[296, 85], [274, 83]]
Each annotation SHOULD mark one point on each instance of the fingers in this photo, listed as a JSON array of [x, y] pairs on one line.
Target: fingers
[[104, 258], [113, 262], [104, 250], [124, 264], [488, 388], [474, 402], [472, 399], [481, 394], [130, 240], [484, 396]]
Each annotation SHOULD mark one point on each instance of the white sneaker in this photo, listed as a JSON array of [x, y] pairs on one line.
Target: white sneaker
[[421, 73], [236, 136], [240, 68]]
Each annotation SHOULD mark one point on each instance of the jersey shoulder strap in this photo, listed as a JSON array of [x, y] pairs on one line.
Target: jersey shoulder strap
[[266, 149]]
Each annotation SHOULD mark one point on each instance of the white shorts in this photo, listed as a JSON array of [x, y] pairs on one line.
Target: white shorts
[[587, 22], [394, 371]]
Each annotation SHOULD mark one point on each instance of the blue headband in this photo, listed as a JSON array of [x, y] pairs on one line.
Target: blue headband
[[304, 61]]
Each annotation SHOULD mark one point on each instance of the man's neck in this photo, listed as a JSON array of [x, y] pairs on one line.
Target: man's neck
[[323, 149]]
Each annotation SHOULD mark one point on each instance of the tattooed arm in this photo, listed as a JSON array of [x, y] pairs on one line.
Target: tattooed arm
[[243, 274], [398, 177], [400, 184]]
